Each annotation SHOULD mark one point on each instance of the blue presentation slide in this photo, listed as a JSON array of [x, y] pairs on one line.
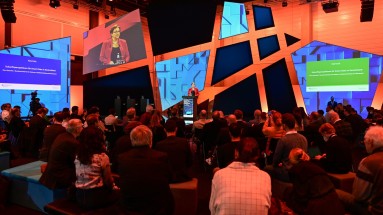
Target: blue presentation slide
[[23, 72]]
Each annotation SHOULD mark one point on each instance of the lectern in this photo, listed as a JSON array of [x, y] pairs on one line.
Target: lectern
[[190, 108]]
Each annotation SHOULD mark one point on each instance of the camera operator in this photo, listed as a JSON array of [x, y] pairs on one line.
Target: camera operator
[[34, 105]]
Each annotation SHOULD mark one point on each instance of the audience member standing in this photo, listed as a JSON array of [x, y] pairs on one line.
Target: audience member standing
[[292, 139], [50, 134], [145, 176], [145, 117], [368, 184], [342, 128], [336, 157], [157, 129], [75, 115], [332, 103], [37, 125], [257, 118], [6, 112], [241, 187], [94, 185], [225, 152], [60, 171], [180, 122], [15, 126], [312, 193], [178, 151]]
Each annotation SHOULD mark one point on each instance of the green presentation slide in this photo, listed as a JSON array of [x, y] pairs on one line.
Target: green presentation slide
[[338, 75]]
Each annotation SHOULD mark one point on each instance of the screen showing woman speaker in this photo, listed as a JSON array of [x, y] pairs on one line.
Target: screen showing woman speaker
[[114, 43]]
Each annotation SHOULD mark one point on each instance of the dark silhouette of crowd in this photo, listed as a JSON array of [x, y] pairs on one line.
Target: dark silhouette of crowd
[[245, 157]]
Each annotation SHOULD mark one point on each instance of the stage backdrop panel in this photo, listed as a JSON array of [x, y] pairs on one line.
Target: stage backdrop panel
[[279, 91], [243, 95], [103, 91], [231, 59], [326, 70], [180, 24]]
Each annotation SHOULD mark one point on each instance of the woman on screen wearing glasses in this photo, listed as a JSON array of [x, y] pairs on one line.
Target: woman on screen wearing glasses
[[114, 51]]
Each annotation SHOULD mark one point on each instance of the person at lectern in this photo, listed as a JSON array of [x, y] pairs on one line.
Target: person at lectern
[[114, 51], [193, 90], [332, 103]]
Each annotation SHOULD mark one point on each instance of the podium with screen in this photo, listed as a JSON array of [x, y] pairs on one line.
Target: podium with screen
[[190, 108]]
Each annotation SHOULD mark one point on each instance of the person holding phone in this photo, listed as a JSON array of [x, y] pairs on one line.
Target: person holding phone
[[114, 51]]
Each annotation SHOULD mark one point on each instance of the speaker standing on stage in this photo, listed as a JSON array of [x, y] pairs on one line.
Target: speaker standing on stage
[[193, 90]]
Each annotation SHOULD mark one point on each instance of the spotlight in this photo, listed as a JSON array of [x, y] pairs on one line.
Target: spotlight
[[106, 16], [330, 6], [284, 3], [54, 3], [264, 1]]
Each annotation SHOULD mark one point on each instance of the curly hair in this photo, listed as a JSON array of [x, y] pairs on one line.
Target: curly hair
[[91, 142]]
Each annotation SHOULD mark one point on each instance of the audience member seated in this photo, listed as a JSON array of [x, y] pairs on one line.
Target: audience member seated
[[145, 176], [241, 187], [37, 125], [94, 185], [178, 151], [368, 184], [312, 192], [50, 134], [157, 129], [225, 152], [336, 157], [292, 139], [60, 171]]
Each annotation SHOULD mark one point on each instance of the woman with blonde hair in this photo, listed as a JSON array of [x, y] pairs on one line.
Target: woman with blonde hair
[[312, 192]]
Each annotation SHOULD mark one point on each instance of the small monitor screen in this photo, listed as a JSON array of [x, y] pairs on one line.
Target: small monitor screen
[[188, 108]]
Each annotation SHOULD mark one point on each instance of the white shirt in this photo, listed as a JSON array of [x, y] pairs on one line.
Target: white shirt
[[241, 189]]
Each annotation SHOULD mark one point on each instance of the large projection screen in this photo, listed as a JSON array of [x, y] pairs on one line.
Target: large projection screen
[[114, 43]]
